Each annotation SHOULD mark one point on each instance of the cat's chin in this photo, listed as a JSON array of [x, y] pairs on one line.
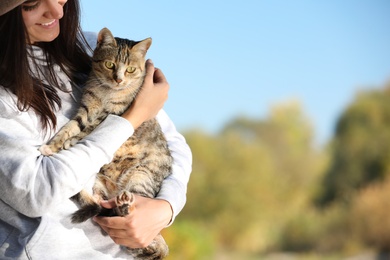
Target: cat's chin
[[127, 87], [117, 86]]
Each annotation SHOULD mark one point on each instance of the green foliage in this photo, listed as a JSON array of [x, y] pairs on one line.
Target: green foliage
[[325, 231], [299, 234], [253, 186], [254, 173], [188, 240], [371, 215], [361, 147]]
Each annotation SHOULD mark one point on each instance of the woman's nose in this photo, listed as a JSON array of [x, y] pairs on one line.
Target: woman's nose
[[55, 9]]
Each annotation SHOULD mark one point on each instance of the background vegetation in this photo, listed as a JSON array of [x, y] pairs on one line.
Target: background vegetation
[[261, 187]]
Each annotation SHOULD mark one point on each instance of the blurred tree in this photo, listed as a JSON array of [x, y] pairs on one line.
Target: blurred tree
[[252, 177], [361, 147], [287, 136], [370, 215], [189, 241]]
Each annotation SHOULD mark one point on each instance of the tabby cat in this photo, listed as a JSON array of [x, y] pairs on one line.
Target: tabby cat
[[143, 161]]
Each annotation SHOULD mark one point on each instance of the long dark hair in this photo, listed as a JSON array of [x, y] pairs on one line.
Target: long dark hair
[[67, 50]]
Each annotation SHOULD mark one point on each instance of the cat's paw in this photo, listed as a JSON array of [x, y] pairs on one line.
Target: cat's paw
[[70, 142], [124, 202], [46, 150], [67, 145]]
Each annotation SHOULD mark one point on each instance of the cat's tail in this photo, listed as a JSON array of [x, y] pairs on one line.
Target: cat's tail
[[90, 210], [86, 212]]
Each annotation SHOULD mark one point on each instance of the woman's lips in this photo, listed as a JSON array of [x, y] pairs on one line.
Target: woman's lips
[[49, 24]]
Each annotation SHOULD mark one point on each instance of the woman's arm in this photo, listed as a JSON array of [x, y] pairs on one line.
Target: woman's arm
[[31, 183], [153, 95], [174, 187]]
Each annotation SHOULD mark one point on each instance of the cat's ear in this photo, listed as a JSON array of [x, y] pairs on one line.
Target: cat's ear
[[143, 46], [105, 37]]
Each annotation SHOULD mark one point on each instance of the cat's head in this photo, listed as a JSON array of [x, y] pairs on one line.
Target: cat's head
[[119, 63]]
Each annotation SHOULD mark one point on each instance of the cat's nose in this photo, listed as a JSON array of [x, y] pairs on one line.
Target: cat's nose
[[119, 80]]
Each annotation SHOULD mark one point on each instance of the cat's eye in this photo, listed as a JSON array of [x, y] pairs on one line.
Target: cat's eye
[[130, 69], [109, 65]]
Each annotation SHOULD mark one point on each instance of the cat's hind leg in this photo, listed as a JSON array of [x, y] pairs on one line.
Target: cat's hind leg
[[125, 203], [158, 249]]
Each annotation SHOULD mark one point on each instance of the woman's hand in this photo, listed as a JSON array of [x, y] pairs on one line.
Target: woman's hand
[[151, 99], [141, 226]]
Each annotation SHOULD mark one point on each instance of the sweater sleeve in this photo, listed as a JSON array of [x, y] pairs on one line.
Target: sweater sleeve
[[174, 187], [33, 184]]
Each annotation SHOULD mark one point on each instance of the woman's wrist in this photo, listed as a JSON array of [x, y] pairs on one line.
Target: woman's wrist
[[134, 120], [167, 209]]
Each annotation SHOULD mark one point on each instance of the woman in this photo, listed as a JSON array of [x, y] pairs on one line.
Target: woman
[[43, 60]]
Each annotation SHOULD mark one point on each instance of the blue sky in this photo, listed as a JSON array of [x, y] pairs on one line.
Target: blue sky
[[229, 58]]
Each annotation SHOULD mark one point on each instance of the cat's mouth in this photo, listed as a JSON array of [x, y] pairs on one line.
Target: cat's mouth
[[116, 86]]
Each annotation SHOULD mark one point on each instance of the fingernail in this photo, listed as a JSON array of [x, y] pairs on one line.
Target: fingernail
[[150, 61]]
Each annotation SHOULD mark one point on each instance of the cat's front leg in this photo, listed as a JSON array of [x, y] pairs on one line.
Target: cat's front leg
[[59, 141], [73, 140]]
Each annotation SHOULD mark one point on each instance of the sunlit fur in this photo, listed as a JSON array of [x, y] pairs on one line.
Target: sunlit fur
[[143, 161]]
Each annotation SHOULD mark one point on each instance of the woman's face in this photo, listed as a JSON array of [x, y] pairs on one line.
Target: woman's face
[[41, 18]]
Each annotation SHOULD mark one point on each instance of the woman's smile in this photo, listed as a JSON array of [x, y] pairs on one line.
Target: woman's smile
[[49, 24]]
